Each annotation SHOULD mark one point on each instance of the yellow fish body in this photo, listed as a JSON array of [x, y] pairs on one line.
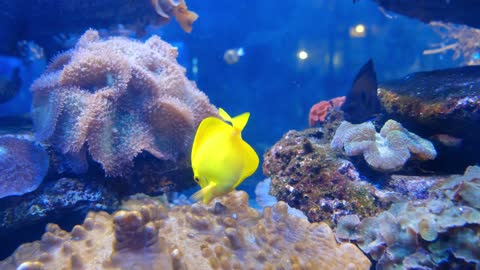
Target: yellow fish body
[[221, 159]]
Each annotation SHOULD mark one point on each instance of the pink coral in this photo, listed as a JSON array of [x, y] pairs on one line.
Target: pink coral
[[319, 111], [116, 98]]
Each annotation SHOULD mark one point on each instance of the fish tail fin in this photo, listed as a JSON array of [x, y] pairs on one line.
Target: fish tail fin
[[185, 17], [238, 122]]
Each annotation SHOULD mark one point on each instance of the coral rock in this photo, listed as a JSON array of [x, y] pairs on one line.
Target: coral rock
[[310, 176], [23, 165], [144, 240], [423, 232], [440, 102], [116, 98], [386, 151]]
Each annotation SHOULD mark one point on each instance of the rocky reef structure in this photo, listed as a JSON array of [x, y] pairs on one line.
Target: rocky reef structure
[[386, 151], [225, 234], [459, 12], [115, 98], [59, 198], [23, 165], [439, 104], [442, 229], [308, 174]]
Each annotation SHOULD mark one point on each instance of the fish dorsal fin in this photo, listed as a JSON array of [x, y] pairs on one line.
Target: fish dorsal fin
[[208, 126], [251, 163], [225, 116]]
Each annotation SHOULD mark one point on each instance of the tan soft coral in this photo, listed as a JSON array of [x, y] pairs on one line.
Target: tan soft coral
[[116, 98], [226, 234], [386, 151]]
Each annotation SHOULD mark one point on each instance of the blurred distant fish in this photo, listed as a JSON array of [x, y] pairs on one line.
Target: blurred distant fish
[[9, 86], [232, 56], [177, 9], [447, 140], [362, 102]]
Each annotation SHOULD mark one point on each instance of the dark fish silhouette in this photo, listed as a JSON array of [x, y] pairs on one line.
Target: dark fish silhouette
[[362, 102]]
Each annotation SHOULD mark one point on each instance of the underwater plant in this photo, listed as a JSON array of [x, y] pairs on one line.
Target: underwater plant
[[115, 98]]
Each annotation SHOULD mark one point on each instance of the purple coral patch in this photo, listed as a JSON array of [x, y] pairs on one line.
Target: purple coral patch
[[23, 165], [115, 98]]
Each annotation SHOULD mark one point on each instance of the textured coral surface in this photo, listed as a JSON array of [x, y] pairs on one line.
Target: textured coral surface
[[23, 165], [440, 101], [443, 229], [388, 150], [115, 98], [225, 234], [310, 176]]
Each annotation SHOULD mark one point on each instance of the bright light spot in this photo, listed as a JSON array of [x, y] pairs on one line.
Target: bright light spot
[[358, 31], [302, 55], [360, 28]]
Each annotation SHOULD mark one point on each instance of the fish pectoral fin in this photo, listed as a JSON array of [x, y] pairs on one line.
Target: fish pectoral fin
[[205, 194]]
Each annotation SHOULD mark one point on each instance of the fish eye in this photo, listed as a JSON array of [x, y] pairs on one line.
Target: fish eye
[[196, 179]]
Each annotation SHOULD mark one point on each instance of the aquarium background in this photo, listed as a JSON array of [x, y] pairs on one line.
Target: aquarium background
[[269, 80]]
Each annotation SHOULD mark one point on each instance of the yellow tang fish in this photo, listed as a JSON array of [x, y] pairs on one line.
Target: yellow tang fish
[[221, 159]]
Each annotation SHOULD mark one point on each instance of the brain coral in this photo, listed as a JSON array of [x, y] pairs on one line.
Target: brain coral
[[23, 165], [226, 234], [115, 98], [388, 150]]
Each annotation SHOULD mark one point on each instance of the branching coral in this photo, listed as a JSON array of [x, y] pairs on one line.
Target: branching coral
[[463, 40], [226, 234], [423, 233], [116, 98], [388, 150], [23, 165]]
